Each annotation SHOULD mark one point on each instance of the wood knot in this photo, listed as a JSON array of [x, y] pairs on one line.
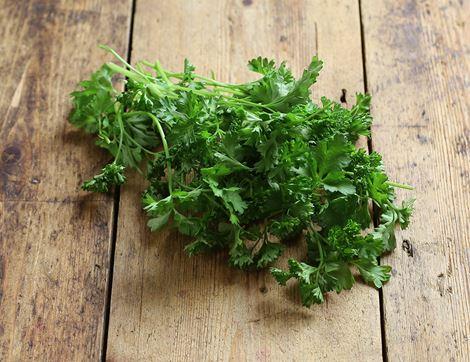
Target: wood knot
[[11, 155]]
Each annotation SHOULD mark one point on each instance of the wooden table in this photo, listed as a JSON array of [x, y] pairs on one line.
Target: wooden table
[[81, 277]]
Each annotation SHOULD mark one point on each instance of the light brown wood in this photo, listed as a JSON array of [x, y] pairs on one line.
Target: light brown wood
[[166, 306], [417, 61], [54, 240]]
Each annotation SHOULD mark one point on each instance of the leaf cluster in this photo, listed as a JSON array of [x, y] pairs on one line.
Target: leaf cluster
[[247, 167]]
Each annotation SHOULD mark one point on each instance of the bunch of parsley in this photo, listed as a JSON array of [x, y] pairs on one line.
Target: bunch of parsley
[[248, 168]]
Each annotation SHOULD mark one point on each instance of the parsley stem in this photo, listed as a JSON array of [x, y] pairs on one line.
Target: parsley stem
[[320, 250], [118, 57], [205, 79], [162, 92], [136, 76], [317, 236], [126, 72], [216, 204], [248, 103], [228, 99], [234, 89], [399, 185], [164, 143], [138, 144], [162, 73], [121, 131]]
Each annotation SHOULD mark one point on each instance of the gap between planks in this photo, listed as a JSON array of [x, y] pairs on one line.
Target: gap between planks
[[116, 201], [375, 211]]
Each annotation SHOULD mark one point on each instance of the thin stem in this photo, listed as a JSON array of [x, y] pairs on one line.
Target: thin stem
[[401, 186], [139, 145], [248, 103], [317, 239], [195, 91], [160, 92], [136, 76], [231, 88], [206, 93], [320, 250], [121, 133], [206, 79], [127, 73], [160, 70], [108, 49], [164, 143], [216, 204]]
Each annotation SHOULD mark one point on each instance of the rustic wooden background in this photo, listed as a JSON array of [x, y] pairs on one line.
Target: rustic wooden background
[[81, 278]]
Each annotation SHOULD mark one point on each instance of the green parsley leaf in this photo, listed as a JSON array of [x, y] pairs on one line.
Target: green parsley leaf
[[112, 174]]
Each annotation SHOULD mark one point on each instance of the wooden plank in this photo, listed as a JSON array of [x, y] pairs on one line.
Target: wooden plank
[[168, 305], [417, 71], [54, 240]]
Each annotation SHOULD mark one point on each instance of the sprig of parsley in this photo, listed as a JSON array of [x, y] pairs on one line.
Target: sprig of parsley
[[246, 167]]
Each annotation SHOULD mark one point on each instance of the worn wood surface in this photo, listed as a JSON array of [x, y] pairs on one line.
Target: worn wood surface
[[417, 61], [166, 304], [54, 240]]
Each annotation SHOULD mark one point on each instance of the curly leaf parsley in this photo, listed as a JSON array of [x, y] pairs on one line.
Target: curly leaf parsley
[[246, 167]]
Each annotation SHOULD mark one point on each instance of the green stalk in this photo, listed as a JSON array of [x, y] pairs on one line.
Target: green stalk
[[320, 250], [160, 70], [161, 92], [121, 133], [248, 103], [138, 144], [231, 88], [401, 186], [181, 76], [154, 88], [164, 143], [127, 73], [118, 57]]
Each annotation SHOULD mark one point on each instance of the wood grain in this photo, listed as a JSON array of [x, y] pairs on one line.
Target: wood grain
[[54, 240], [166, 306], [417, 61]]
